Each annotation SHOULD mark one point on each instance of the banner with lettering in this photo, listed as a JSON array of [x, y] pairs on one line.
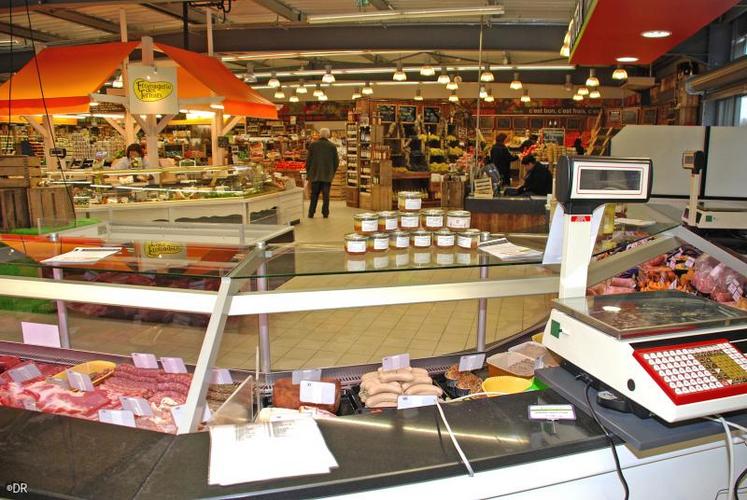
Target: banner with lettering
[[152, 91]]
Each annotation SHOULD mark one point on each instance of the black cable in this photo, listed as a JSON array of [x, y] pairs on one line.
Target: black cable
[[610, 440], [46, 113], [740, 478], [10, 80]]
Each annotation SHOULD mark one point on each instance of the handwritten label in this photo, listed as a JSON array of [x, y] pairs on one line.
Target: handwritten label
[[117, 417], [471, 362], [552, 412], [23, 373], [317, 392], [79, 381], [415, 401], [313, 375], [173, 365], [395, 362], [220, 376], [40, 334], [137, 406], [144, 360]]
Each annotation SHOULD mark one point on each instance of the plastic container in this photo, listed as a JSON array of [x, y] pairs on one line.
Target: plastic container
[[409, 200], [432, 218], [97, 370], [378, 242], [422, 238], [409, 220], [399, 239], [356, 244], [510, 363], [530, 349], [458, 220], [506, 384], [388, 221], [443, 238], [468, 239], [366, 223]]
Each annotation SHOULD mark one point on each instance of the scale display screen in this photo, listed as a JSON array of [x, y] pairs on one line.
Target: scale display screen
[[603, 179], [595, 179]]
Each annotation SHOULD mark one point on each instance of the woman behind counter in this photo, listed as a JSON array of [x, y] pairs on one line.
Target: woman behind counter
[[133, 158]]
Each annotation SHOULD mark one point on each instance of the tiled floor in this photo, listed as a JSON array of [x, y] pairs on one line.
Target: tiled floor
[[322, 338]]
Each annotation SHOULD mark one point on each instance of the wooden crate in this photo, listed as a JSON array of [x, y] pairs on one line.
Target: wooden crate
[[48, 204], [452, 193], [483, 188], [19, 175], [14, 209], [19, 161]]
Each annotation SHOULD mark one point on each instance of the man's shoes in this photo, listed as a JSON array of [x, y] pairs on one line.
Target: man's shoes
[[310, 216], [326, 216]]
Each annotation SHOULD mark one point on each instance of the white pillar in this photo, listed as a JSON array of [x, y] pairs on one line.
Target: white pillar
[[151, 132], [209, 22], [129, 123]]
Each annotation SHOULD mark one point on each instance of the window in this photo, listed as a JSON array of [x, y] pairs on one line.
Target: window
[[732, 112], [742, 111]]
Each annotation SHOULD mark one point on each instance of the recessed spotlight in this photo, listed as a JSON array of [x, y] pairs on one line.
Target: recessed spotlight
[[627, 59], [656, 34]]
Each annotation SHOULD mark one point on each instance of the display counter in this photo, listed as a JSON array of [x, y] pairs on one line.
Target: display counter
[[509, 213]]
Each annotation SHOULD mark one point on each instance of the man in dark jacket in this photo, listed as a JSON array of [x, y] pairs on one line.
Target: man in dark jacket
[[538, 180], [321, 165], [501, 157]]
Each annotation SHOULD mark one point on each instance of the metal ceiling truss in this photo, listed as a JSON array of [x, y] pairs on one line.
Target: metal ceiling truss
[[283, 10], [81, 19], [21, 32]]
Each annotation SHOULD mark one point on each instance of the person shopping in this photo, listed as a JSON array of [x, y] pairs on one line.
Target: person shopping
[[578, 145], [501, 157], [321, 165], [538, 180]]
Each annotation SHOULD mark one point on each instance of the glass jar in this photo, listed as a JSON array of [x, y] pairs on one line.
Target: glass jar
[[380, 261], [421, 257], [422, 238], [401, 258], [444, 257], [388, 221], [378, 242], [355, 263], [468, 238], [409, 200], [409, 220], [432, 218], [458, 220], [465, 257], [366, 223], [399, 239], [444, 238], [355, 244]]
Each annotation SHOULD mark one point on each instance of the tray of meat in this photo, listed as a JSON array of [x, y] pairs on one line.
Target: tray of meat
[[97, 370]]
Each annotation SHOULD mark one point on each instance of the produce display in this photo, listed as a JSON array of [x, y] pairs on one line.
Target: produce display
[[380, 389], [290, 165]]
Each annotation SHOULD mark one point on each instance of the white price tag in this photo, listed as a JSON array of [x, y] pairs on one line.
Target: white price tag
[[173, 365], [552, 412], [117, 417], [79, 381], [220, 376], [179, 414], [40, 334], [395, 362], [471, 362], [23, 373], [144, 360], [30, 404], [322, 393], [312, 375], [415, 401], [137, 406]]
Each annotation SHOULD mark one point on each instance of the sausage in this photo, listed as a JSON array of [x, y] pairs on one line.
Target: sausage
[[428, 389], [401, 375], [419, 379], [373, 389], [419, 372], [376, 400], [369, 376], [385, 404]]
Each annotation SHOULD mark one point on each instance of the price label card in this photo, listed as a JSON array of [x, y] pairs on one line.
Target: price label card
[[59, 382], [317, 392], [144, 360], [395, 362], [313, 375], [415, 401], [137, 406], [23, 373], [180, 416], [79, 381], [220, 376], [117, 417], [552, 412], [30, 404], [173, 365], [40, 334], [471, 362]]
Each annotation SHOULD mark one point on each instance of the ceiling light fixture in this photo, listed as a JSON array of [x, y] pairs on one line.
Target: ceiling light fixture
[[249, 74], [399, 15], [323, 97], [525, 97], [453, 97], [565, 51], [620, 73], [627, 59], [367, 89], [656, 34], [418, 95], [217, 106], [93, 104], [516, 83], [487, 75], [399, 74], [301, 89], [578, 97], [118, 82], [443, 78], [595, 94], [356, 93], [483, 92], [279, 94], [318, 90], [328, 77], [452, 85], [273, 82], [427, 70], [583, 91], [592, 81], [568, 85], [293, 98], [489, 97]]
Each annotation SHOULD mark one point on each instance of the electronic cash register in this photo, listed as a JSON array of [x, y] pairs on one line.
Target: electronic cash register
[[674, 354]]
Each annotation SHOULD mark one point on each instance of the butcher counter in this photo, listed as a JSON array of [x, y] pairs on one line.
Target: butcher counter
[[509, 214]]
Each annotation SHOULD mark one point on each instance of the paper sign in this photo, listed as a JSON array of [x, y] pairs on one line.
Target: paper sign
[[82, 255], [313, 375], [144, 360], [471, 362], [79, 381], [117, 417], [24, 373], [152, 90], [317, 392], [180, 416], [40, 334], [173, 365], [415, 401], [395, 362], [552, 412], [220, 376], [137, 406]]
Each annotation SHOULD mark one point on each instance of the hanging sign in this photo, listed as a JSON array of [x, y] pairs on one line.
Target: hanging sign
[[152, 91]]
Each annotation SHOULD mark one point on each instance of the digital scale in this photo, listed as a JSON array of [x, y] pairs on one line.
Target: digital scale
[[707, 216], [674, 354]]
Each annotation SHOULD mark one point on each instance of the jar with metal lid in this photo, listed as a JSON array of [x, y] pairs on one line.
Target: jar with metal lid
[[432, 218], [399, 239], [409, 200], [443, 238], [355, 243], [422, 238], [366, 223], [458, 220], [409, 220], [378, 242], [388, 221], [468, 238]]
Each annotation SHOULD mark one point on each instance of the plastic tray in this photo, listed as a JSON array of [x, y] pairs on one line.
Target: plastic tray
[[89, 368]]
